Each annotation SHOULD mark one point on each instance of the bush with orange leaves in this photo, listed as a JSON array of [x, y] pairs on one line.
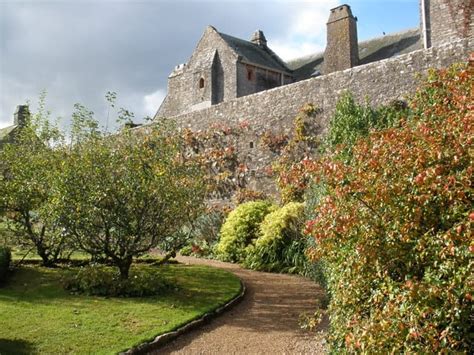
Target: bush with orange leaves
[[395, 227]]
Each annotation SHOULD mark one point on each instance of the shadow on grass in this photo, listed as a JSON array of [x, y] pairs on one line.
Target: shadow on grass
[[17, 347]]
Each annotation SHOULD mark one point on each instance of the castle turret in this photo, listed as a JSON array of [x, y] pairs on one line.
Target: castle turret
[[342, 50], [21, 115], [259, 38]]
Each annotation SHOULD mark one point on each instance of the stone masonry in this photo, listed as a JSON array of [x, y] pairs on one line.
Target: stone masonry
[[448, 20], [450, 34], [274, 110]]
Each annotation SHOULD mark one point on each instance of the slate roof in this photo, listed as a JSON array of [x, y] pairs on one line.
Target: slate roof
[[253, 53], [5, 133], [372, 50]]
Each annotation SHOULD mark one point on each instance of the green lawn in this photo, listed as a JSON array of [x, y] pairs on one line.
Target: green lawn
[[38, 316]]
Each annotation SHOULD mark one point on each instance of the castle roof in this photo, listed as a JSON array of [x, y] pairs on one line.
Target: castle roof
[[20, 117], [372, 50], [255, 54], [6, 133]]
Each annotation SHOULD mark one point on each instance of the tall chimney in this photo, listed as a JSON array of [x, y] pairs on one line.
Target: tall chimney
[[259, 38], [21, 116], [342, 49]]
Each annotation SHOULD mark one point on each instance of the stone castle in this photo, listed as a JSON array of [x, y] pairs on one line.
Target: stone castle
[[223, 67], [228, 80]]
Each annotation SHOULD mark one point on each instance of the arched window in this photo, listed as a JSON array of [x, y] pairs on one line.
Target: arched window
[[201, 83]]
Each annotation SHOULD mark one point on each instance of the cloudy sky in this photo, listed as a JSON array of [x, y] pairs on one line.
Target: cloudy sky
[[77, 50]]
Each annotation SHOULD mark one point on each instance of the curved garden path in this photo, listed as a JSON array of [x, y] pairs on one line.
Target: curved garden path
[[265, 322]]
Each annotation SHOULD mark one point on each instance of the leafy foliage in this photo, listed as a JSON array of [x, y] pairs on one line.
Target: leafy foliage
[[247, 195], [28, 171], [97, 280], [395, 229], [205, 232], [5, 259], [352, 121], [241, 229], [215, 151], [281, 245], [121, 196], [273, 141], [290, 175]]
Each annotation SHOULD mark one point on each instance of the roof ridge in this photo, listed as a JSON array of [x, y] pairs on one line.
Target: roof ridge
[[265, 49]]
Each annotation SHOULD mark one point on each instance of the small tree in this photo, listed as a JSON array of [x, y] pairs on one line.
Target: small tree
[[122, 195], [28, 167]]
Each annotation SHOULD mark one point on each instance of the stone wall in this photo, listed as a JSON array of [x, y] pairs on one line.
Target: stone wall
[[449, 19], [274, 110]]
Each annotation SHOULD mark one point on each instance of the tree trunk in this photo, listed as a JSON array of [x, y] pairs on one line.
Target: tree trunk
[[44, 255], [124, 267]]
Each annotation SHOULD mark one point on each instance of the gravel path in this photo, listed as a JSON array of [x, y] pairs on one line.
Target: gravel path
[[265, 322]]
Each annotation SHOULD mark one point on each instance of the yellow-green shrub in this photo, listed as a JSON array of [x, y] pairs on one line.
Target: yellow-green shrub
[[241, 228], [280, 246]]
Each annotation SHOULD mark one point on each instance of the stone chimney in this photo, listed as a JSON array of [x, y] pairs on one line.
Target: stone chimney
[[21, 115], [259, 39], [342, 49]]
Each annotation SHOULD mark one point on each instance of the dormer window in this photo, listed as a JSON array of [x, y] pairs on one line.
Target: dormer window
[[201, 83]]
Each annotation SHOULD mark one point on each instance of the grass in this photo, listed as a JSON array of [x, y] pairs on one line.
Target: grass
[[38, 316]]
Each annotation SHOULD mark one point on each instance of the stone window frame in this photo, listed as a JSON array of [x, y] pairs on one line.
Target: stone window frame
[[201, 83]]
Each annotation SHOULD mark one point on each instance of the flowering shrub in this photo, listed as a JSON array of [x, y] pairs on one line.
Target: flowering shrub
[[280, 246], [395, 228], [241, 228]]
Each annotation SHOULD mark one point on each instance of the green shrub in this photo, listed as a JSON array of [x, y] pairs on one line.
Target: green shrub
[[352, 121], [241, 228], [7, 235], [5, 259], [281, 245], [187, 250], [101, 280]]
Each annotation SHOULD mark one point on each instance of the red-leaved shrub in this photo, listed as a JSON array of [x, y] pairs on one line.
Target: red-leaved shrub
[[395, 228]]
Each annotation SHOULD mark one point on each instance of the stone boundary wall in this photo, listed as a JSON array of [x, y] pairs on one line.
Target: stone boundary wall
[[274, 110]]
